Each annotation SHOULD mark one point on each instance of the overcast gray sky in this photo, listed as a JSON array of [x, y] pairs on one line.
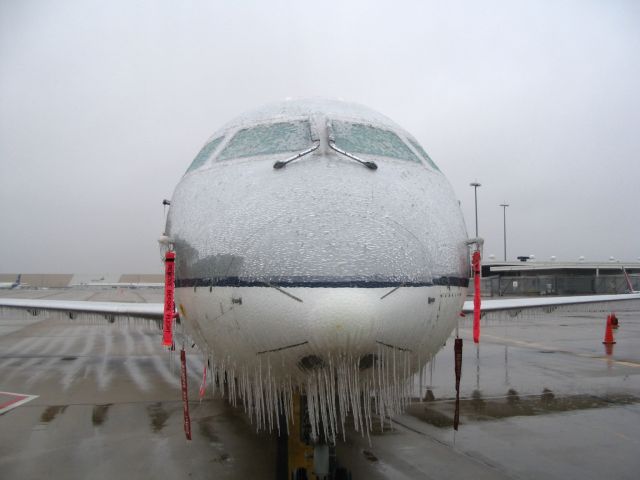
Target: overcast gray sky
[[103, 105]]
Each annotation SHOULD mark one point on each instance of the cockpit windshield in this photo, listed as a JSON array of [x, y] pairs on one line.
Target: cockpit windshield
[[269, 139], [205, 153], [369, 140], [421, 151]]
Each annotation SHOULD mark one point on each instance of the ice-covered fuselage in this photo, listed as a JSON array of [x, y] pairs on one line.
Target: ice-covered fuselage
[[293, 269]]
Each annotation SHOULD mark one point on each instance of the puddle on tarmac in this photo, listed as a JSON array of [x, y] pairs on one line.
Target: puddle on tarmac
[[224, 457], [158, 416], [206, 429], [205, 425], [52, 412], [440, 413], [369, 456], [99, 414]]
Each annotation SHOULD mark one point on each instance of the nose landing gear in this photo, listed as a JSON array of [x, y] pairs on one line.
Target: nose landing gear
[[300, 457]]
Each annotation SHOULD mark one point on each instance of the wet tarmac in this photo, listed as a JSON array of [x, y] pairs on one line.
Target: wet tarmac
[[109, 404], [540, 399]]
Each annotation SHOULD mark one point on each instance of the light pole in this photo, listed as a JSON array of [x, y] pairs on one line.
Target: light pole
[[504, 219], [475, 186]]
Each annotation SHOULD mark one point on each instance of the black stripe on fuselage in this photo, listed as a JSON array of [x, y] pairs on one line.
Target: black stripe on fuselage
[[315, 282]]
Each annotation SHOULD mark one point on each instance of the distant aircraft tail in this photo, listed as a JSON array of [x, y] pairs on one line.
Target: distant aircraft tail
[[17, 282]]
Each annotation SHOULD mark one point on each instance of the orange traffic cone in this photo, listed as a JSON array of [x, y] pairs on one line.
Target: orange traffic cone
[[614, 321], [608, 333]]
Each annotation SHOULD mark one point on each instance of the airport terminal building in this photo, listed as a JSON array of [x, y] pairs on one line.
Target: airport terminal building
[[518, 278], [532, 277]]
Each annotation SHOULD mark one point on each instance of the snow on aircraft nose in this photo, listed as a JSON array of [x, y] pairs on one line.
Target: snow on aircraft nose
[[335, 247]]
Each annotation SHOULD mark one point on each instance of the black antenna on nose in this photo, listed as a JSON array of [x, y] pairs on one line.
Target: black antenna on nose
[[165, 202]]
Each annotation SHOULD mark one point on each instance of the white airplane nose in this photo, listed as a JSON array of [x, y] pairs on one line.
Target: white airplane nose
[[322, 277], [343, 320]]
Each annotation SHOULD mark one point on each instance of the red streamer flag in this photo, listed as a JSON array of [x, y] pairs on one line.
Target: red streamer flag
[[457, 350], [203, 385], [185, 394], [476, 297], [169, 302]]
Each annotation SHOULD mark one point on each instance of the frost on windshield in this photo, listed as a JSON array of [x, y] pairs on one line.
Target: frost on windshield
[[419, 148], [205, 154], [360, 138], [268, 139]]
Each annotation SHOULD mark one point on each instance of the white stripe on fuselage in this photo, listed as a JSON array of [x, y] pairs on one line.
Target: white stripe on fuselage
[[240, 324]]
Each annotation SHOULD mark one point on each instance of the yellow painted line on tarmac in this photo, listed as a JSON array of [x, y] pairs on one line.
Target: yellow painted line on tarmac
[[540, 346]]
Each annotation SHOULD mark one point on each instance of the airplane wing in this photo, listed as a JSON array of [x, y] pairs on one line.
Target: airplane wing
[[151, 311], [154, 311], [502, 304]]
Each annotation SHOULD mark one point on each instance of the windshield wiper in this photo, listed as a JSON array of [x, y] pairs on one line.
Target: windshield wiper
[[371, 165], [332, 144], [281, 163]]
